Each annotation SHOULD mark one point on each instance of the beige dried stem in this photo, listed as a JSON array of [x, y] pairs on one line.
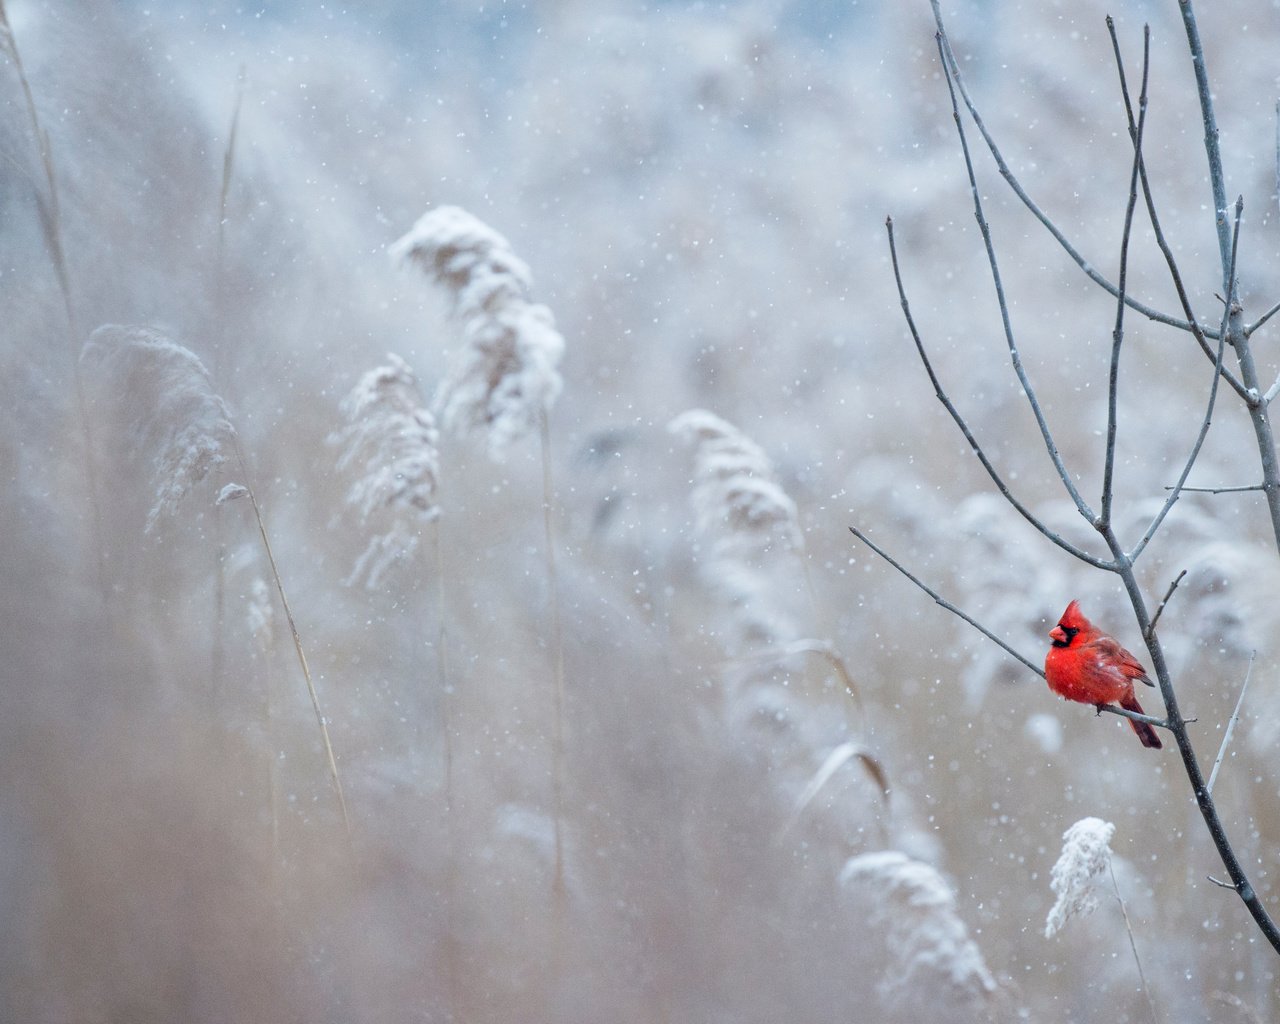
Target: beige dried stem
[[503, 383], [260, 619], [390, 442], [1086, 855], [169, 410], [49, 209], [219, 304]]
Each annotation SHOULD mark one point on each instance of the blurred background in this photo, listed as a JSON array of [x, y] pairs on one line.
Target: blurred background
[[700, 191]]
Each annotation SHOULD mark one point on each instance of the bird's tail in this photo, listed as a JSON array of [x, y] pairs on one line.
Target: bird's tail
[[1146, 733]]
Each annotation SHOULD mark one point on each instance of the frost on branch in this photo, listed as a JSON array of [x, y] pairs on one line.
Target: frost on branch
[[391, 440], [742, 510], [931, 956], [169, 410], [507, 374], [1086, 854]]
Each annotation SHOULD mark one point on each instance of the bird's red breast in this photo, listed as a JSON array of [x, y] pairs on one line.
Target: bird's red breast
[[1085, 664]]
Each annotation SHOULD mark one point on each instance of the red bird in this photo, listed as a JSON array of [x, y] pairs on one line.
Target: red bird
[[1086, 665]]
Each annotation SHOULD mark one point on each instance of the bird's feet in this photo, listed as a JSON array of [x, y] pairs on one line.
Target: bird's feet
[[1098, 709]]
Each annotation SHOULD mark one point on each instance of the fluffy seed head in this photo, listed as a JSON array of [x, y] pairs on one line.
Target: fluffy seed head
[[1086, 854], [507, 374], [931, 955], [168, 406], [392, 440]]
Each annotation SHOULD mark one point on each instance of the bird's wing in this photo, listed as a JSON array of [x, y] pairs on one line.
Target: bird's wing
[[1110, 651]]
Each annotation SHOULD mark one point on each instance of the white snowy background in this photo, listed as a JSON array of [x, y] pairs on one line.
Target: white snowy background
[[699, 192]]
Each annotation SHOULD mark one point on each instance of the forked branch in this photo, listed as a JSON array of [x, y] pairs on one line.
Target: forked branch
[[1231, 330]]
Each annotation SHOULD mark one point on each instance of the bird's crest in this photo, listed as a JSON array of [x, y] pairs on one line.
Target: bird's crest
[[1073, 618]]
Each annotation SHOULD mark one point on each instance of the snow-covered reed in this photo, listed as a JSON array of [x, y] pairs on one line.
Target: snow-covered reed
[[162, 394], [745, 515], [931, 956], [504, 382], [391, 439], [1086, 854], [507, 375], [736, 495], [168, 405]]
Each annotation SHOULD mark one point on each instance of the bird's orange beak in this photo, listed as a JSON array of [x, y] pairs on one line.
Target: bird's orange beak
[[1057, 633]]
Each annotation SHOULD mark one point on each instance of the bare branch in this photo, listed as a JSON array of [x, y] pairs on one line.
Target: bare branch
[[953, 69], [1136, 716], [1163, 243], [1222, 490], [1262, 319], [943, 602], [941, 394], [1220, 883], [1231, 724], [1217, 181], [1213, 398], [1052, 448], [1117, 335], [1190, 764], [1164, 601]]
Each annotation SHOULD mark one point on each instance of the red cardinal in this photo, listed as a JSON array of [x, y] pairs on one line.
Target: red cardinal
[[1085, 664]]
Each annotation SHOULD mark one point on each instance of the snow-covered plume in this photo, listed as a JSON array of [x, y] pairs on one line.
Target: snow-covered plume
[[736, 495], [746, 516], [931, 955], [507, 374], [168, 406], [391, 440], [1086, 854]]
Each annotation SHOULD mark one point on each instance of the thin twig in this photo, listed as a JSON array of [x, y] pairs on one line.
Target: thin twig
[[1177, 725], [943, 602], [974, 446], [1275, 195], [1248, 331], [1239, 340], [1162, 242], [1220, 883], [1128, 927], [1231, 723], [1117, 334], [953, 67], [1165, 600], [1176, 492], [1050, 446], [1221, 490], [1217, 181], [1135, 716]]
